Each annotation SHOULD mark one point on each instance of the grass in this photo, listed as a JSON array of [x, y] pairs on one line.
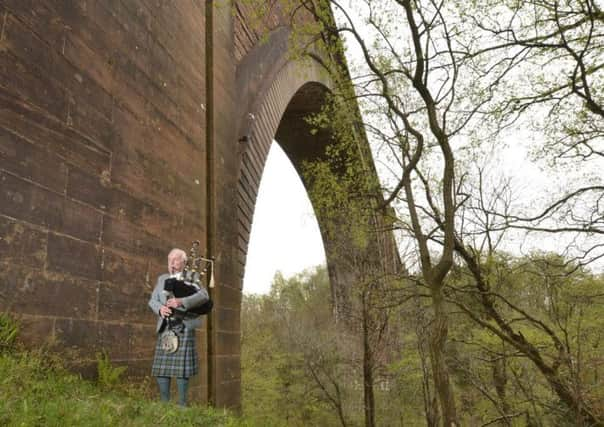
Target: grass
[[35, 394], [35, 390]]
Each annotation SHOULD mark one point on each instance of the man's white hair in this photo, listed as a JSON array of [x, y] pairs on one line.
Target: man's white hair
[[178, 252]]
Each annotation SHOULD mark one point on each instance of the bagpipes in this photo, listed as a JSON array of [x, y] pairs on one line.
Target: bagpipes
[[189, 281]]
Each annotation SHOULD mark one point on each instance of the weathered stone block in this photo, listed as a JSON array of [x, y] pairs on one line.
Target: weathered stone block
[[79, 338], [26, 201], [228, 319], [115, 338], [35, 163], [89, 189], [22, 244], [229, 297], [45, 131], [125, 270], [228, 343], [74, 257], [228, 368], [28, 290], [33, 85], [143, 339], [122, 235], [68, 216], [35, 331], [228, 395], [126, 301]]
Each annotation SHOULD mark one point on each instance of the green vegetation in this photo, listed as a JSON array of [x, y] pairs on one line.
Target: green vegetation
[[8, 332], [292, 370], [300, 368], [442, 89], [35, 390], [109, 375]]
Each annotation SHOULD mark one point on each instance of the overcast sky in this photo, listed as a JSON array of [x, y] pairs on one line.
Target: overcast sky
[[285, 236]]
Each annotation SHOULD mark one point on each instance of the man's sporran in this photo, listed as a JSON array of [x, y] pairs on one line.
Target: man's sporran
[[168, 341]]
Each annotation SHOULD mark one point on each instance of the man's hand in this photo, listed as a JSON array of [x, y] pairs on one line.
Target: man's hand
[[165, 311], [173, 303]]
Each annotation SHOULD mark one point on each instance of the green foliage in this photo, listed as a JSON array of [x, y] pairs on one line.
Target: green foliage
[[108, 375], [35, 395], [300, 368], [534, 321], [541, 296], [289, 348], [341, 181], [9, 330]]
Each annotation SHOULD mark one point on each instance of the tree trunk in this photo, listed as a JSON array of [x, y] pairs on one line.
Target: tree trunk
[[368, 394], [440, 371], [430, 404], [500, 381]]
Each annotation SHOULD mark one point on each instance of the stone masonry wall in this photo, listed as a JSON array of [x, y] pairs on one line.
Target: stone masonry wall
[[102, 165]]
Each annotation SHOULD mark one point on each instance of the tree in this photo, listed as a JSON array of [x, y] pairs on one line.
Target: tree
[[294, 368], [557, 48], [426, 101], [438, 93]]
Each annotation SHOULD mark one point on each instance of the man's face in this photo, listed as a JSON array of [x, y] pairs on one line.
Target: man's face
[[175, 264]]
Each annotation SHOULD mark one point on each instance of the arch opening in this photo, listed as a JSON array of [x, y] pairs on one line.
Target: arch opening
[[301, 143], [285, 235]]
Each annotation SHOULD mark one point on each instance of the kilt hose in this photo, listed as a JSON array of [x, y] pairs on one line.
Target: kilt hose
[[180, 364]]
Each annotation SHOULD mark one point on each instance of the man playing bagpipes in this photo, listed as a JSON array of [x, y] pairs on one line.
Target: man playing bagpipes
[[177, 300]]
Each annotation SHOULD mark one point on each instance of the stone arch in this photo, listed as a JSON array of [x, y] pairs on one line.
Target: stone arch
[[291, 92], [278, 110]]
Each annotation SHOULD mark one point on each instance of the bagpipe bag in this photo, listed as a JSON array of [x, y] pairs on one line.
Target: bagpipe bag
[[182, 289]]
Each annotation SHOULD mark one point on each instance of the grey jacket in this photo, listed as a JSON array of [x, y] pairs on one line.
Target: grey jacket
[[158, 298]]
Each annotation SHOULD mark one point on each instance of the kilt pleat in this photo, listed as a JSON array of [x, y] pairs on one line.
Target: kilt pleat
[[180, 364]]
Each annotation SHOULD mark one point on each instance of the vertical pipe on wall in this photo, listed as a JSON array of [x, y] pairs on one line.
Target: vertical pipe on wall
[[210, 187]]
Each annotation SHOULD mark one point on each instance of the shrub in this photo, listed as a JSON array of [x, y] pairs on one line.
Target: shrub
[[109, 375]]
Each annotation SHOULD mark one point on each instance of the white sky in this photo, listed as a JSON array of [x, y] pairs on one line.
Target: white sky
[[285, 236]]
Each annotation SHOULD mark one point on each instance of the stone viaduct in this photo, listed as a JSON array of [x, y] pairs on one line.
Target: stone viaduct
[[128, 127]]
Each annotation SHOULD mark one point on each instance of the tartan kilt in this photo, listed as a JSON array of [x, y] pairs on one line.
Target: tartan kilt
[[180, 364]]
